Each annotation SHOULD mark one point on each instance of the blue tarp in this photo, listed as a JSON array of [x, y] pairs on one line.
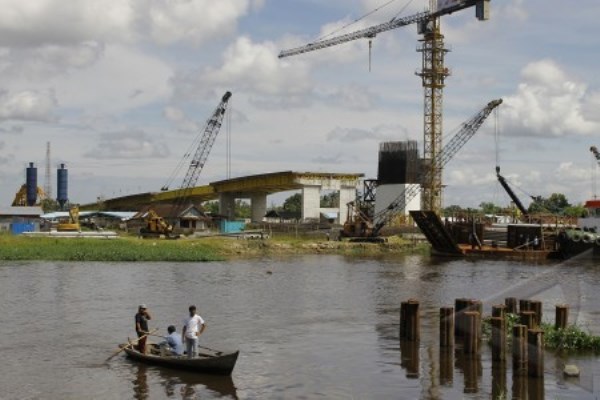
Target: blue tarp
[[231, 226], [18, 228]]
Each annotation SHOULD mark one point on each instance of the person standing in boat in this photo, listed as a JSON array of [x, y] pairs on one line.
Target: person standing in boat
[[141, 326], [193, 326]]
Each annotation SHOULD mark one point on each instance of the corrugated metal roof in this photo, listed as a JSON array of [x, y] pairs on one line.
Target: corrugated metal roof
[[24, 211]]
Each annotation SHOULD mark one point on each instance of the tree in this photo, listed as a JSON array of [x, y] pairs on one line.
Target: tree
[[557, 203], [575, 211], [293, 203], [453, 209], [49, 205], [489, 208], [242, 209], [211, 207], [331, 200]]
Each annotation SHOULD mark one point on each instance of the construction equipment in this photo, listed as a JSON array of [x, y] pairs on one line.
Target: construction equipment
[[433, 75], [157, 225], [72, 225], [20, 199], [360, 226], [513, 196]]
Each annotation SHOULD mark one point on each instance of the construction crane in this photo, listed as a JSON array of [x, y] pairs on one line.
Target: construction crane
[[203, 147], [596, 153], [433, 75], [360, 227], [157, 225]]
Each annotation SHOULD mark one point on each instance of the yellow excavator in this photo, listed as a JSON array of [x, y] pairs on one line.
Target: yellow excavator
[[73, 224], [156, 226]]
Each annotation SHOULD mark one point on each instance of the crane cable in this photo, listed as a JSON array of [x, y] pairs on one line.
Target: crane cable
[[182, 161], [363, 17]]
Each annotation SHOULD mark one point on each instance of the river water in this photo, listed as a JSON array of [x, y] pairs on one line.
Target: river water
[[307, 327]]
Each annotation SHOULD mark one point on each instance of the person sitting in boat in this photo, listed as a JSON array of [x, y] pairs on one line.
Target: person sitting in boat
[[193, 326], [141, 326], [172, 343]]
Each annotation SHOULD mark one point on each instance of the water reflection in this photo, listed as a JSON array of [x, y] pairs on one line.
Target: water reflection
[[446, 366], [498, 379], [409, 351], [181, 384]]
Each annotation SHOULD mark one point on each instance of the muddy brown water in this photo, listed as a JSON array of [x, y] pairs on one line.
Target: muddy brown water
[[307, 327]]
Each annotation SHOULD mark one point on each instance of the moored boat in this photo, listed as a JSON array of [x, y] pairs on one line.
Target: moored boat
[[208, 361]]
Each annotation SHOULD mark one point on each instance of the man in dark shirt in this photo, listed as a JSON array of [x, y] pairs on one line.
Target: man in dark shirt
[[141, 326]]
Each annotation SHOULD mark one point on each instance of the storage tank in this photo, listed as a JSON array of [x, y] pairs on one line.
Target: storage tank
[[62, 175], [31, 184]]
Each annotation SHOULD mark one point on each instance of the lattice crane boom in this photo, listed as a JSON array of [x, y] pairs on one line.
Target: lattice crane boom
[[469, 128], [200, 155], [372, 31]]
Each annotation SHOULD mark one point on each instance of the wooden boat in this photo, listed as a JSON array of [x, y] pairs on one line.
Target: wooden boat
[[208, 361]]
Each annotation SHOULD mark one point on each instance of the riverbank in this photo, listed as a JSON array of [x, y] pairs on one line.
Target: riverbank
[[19, 248]]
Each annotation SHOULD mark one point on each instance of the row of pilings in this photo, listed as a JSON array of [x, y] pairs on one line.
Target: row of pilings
[[461, 325]]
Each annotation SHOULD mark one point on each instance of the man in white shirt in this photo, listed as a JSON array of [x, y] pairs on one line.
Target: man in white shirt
[[193, 326]]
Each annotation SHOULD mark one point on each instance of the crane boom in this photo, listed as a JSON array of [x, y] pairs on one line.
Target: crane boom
[[467, 131], [209, 135], [372, 31]]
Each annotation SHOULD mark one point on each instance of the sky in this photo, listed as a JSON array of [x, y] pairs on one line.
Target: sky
[[120, 88]]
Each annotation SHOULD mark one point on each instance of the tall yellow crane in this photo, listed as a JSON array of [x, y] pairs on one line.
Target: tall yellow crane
[[433, 74]]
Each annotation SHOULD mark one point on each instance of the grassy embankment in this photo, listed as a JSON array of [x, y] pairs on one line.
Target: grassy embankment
[[570, 339], [204, 249]]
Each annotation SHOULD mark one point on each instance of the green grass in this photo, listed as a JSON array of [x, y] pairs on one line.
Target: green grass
[[14, 248], [571, 339]]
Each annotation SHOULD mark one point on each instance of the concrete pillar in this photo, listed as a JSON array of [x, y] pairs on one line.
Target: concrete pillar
[[347, 194], [227, 205], [259, 206], [311, 202]]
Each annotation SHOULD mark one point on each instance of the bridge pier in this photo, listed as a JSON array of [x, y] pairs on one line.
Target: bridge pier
[[227, 205], [311, 202], [258, 203]]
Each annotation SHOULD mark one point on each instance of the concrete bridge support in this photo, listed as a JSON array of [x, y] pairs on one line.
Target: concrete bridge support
[[311, 202], [259, 206], [227, 205]]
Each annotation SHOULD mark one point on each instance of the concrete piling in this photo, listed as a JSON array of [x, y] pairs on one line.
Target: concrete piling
[[562, 316], [498, 380], [535, 363], [409, 351], [519, 349], [409, 320], [511, 305], [446, 365], [446, 326]]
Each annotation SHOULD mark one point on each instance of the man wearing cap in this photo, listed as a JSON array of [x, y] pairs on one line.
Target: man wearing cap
[[193, 326], [141, 326]]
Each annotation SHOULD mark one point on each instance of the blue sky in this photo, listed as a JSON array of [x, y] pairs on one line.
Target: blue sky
[[121, 87]]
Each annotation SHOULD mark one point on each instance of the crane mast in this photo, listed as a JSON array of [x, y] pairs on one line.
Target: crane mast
[[469, 128], [433, 74]]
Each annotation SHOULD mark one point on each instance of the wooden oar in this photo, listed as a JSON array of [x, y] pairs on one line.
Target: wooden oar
[[130, 344]]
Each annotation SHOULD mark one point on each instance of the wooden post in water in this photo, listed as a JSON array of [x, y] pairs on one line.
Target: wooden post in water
[[460, 306], [562, 316], [524, 305], [446, 326], [536, 306], [409, 320], [472, 329], [511, 305], [498, 339], [519, 349], [499, 310], [535, 364], [527, 318]]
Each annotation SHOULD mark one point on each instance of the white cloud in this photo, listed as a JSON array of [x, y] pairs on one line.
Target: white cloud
[[128, 144], [547, 103], [43, 22], [246, 66], [28, 105], [193, 21], [178, 117]]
